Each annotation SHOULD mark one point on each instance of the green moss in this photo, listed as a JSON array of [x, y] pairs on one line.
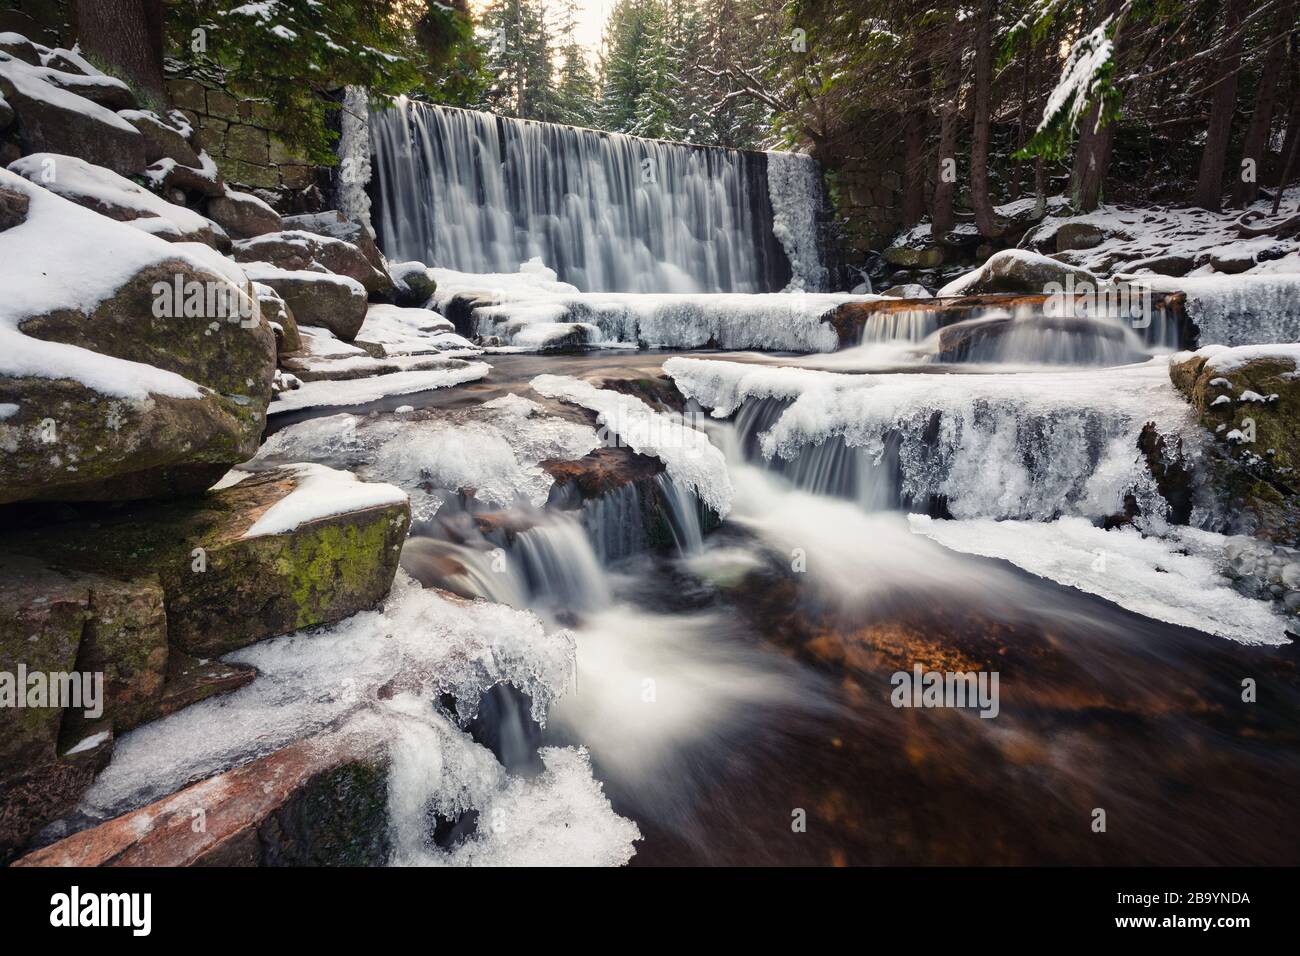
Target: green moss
[[331, 559]]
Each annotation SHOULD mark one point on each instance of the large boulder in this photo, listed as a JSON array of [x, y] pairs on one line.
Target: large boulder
[[276, 552], [317, 298], [1015, 270], [54, 118], [118, 198], [1248, 398], [142, 373], [241, 214], [296, 250]]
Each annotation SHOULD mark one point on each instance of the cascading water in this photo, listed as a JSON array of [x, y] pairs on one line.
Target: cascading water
[[479, 193]]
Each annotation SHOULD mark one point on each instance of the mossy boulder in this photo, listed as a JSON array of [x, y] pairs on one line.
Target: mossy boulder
[[296, 250], [225, 590], [1248, 398]]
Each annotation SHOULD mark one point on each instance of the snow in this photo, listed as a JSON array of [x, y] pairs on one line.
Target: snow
[[320, 342], [89, 743], [361, 391], [1005, 445], [1236, 310], [405, 331], [532, 309], [959, 285], [1219, 358], [66, 257], [691, 459], [1175, 580], [424, 645], [494, 449], [1136, 235], [322, 492], [74, 178], [266, 272], [354, 157], [1072, 95]]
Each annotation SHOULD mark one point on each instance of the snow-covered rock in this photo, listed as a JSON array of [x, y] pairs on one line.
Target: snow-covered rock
[[133, 366], [118, 198], [296, 250], [55, 117], [317, 298]]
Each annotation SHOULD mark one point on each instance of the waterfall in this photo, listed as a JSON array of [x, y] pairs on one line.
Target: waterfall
[[480, 193]]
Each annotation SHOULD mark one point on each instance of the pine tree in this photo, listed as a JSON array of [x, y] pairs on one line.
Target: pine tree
[[576, 89]]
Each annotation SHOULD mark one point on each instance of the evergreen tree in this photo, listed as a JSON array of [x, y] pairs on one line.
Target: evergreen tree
[[576, 89]]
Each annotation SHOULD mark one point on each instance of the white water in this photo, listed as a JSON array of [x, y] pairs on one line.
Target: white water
[[479, 193]]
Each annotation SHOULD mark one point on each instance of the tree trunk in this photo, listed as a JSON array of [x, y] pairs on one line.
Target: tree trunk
[[1261, 119], [980, 200], [1223, 102], [914, 130], [127, 37], [1292, 136], [941, 212], [1091, 163]]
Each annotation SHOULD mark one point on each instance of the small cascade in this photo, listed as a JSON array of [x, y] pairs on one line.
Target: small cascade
[[905, 325], [560, 566], [615, 523], [684, 512], [479, 193]]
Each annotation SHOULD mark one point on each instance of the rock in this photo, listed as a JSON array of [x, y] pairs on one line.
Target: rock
[[318, 802], [317, 298], [242, 215], [280, 316], [54, 120], [414, 285], [239, 590], [20, 48], [909, 290], [1231, 260], [1078, 235], [1165, 265], [106, 91], [64, 628], [164, 378], [161, 139], [1015, 270], [13, 208], [297, 250], [118, 198], [338, 226], [927, 257], [1249, 400]]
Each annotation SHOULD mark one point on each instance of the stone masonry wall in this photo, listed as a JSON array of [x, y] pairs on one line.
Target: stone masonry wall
[[241, 138], [865, 180]]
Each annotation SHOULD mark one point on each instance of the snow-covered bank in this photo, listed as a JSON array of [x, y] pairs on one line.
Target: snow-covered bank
[[1176, 578]]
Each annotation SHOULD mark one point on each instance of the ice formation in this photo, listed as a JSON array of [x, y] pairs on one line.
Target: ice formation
[[691, 459]]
